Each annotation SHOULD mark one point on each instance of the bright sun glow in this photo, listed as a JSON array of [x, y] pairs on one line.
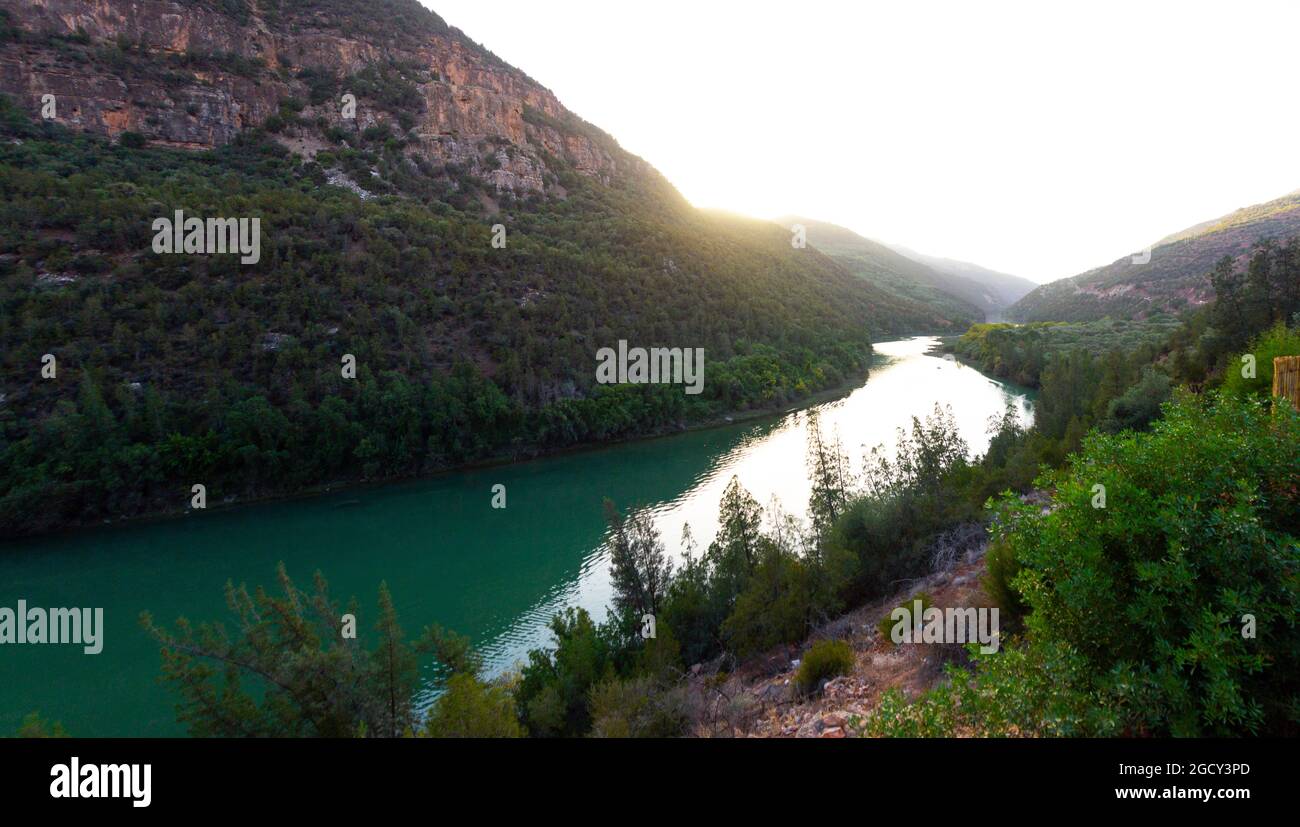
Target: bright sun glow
[[1035, 139]]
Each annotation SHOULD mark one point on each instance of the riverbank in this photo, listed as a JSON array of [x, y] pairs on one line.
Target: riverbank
[[498, 576], [759, 699], [521, 454]]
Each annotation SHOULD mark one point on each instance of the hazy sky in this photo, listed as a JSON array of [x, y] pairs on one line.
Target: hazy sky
[[1038, 138]]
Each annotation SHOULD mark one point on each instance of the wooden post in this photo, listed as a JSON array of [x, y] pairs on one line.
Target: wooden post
[[1286, 379]]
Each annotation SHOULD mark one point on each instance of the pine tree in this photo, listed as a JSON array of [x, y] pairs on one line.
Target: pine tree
[[641, 571], [832, 478], [396, 672]]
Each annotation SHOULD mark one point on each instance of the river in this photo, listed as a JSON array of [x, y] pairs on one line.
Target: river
[[448, 556]]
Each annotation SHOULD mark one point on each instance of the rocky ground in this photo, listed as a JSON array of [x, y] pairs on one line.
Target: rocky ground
[[759, 700]]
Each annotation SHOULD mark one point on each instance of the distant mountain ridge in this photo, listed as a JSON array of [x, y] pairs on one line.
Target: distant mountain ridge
[[962, 290], [1176, 276], [1008, 289]]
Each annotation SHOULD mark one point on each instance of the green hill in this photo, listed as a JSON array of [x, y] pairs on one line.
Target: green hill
[[990, 289], [887, 270], [1176, 277], [376, 242]]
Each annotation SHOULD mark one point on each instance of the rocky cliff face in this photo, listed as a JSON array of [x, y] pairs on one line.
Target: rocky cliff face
[[194, 73]]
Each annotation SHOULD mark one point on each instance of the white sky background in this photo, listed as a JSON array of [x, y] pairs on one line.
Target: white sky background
[[1035, 138]]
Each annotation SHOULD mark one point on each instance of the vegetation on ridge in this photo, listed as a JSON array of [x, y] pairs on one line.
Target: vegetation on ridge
[[176, 369]]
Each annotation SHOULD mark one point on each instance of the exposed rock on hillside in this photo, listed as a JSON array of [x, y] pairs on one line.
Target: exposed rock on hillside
[[193, 74]]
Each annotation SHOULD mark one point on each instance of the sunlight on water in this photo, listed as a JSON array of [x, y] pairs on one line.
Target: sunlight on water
[[449, 558], [770, 463]]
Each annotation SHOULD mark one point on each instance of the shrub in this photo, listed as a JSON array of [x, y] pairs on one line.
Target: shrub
[[1277, 341], [1199, 531], [473, 708], [1001, 568], [555, 685], [1139, 406], [925, 489], [637, 708], [1038, 691], [825, 659], [886, 624], [776, 606]]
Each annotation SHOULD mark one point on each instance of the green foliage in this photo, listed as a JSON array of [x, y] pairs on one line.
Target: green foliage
[[454, 652], [1019, 353], [640, 568], [1279, 340], [885, 626], [832, 478], [824, 660], [909, 499], [391, 86], [1018, 692], [1256, 297], [638, 707], [205, 368], [1139, 406], [694, 609], [1135, 612], [555, 685], [1095, 374], [1199, 530], [473, 708], [308, 679], [776, 606], [1001, 568]]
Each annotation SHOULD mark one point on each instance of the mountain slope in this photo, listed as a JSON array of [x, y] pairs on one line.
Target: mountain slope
[[1176, 277], [1004, 288], [376, 243], [959, 300]]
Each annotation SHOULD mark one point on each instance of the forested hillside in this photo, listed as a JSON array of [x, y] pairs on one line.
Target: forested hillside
[[1019, 353], [1175, 277], [948, 301], [1146, 579], [997, 291], [376, 242]]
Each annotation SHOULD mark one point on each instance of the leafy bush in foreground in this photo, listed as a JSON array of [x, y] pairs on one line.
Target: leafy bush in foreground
[[1169, 611]]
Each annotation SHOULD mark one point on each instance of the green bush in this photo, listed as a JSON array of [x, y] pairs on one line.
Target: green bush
[[1278, 340], [776, 606], [1001, 568], [924, 488], [1198, 533], [886, 623], [1138, 609], [473, 708], [637, 708], [825, 659], [1139, 406], [555, 685], [1039, 691]]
